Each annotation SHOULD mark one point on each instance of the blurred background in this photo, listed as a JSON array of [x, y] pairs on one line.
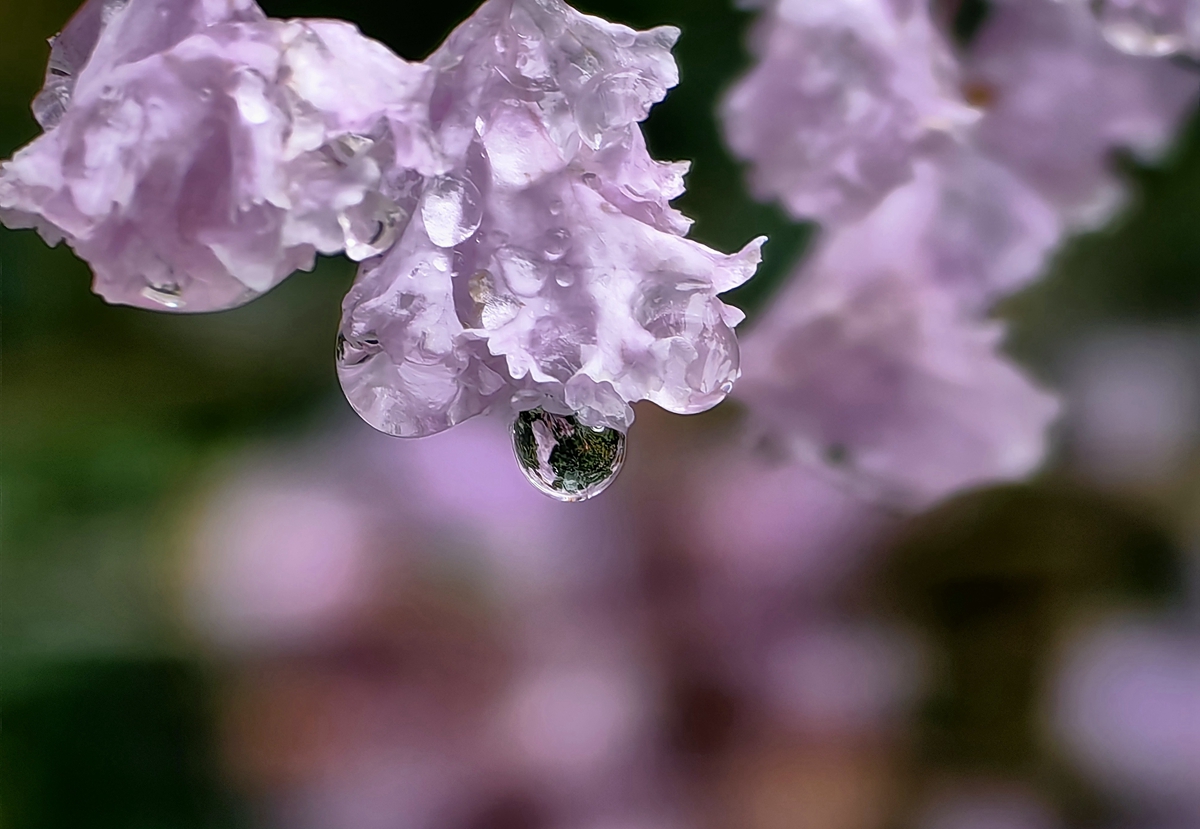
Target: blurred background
[[228, 603]]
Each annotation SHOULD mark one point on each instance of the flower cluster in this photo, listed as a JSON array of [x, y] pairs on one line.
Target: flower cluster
[[517, 241], [943, 174]]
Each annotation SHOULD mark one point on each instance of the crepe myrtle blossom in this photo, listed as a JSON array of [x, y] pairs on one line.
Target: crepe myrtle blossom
[[880, 363], [196, 154], [875, 363], [842, 99], [1026, 67], [845, 98], [520, 249], [543, 266]]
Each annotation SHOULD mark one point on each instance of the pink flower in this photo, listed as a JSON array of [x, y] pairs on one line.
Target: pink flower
[[844, 98], [544, 265], [872, 365], [1027, 68], [522, 248], [198, 158]]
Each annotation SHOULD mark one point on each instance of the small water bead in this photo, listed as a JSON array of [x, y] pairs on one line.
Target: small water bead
[[558, 241], [565, 278], [613, 102], [167, 295], [346, 148], [452, 210], [1146, 28], [494, 309], [565, 459], [370, 227]]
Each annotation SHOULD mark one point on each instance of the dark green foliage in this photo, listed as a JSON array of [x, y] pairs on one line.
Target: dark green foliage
[[111, 745]]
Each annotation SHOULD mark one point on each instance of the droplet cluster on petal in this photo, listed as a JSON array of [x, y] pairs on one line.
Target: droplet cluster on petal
[[544, 266], [198, 160], [519, 248]]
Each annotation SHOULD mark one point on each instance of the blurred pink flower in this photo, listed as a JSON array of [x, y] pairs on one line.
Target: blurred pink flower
[[1026, 68], [1133, 405], [544, 265], [277, 561], [842, 101], [870, 365], [1127, 708]]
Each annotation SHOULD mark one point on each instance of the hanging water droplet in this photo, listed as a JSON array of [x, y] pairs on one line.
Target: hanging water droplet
[[167, 294], [452, 210], [565, 278], [557, 243], [565, 459], [370, 227], [727, 387], [1150, 28]]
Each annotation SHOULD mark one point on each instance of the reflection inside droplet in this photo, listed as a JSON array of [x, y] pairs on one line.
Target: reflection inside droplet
[[564, 458]]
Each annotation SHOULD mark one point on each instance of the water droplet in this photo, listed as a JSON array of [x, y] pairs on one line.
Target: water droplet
[[613, 102], [51, 103], [558, 241], [495, 309], [565, 278], [353, 351], [727, 387], [452, 210], [370, 227], [591, 180], [345, 148], [167, 295], [565, 459], [1148, 29], [555, 207]]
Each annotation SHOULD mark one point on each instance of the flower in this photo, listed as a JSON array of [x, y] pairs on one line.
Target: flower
[[844, 98], [202, 153], [873, 365], [544, 266], [1026, 68], [519, 241]]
